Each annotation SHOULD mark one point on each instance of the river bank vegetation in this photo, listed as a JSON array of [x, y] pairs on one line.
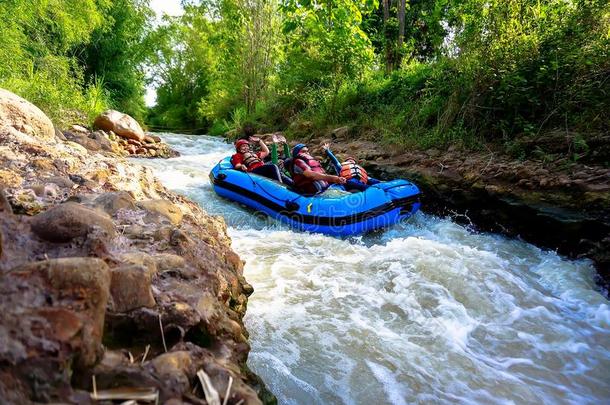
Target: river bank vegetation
[[430, 73], [76, 58]]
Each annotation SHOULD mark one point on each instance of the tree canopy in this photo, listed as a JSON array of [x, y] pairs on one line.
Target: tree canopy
[[430, 72]]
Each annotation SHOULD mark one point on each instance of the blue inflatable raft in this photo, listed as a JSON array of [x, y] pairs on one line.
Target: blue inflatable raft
[[380, 206]]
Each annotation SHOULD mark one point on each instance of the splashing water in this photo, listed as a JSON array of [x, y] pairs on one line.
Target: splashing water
[[425, 312]]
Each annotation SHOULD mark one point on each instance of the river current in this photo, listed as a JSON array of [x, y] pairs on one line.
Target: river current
[[427, 312]]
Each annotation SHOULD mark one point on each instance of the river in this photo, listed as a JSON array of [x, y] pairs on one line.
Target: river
[[427, 312]]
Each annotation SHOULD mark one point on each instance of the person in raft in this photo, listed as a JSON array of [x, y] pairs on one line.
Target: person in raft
[[357, 179], [249, 161], [308, 175]]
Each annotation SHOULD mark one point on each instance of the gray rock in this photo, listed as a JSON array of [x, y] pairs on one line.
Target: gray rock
[[340, 133], [83, 140], [61, 181], [163, 208], [102, 139], [112, 202], [67, 221]]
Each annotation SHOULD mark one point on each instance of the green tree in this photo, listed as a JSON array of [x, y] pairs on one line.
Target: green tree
[[38, 37], [183, 65], [325, 43], [116, 53]]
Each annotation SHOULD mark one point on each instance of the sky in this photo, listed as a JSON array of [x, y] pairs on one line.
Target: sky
[[171, 7], [160, 7]]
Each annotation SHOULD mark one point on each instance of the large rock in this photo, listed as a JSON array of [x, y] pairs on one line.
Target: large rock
[[24, 116], [102, 139], [83, 140], [163, 208], [121, 124], [67, 221], [141, 259], [72, 299], [112, 202], [131, 288]]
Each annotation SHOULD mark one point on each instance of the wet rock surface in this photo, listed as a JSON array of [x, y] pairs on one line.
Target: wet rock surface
[[556, 204], [107, 276]]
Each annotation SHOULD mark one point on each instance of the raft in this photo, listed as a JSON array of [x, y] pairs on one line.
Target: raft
[[380, 206]]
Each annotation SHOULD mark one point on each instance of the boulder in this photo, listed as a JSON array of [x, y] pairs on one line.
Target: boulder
[[78, 290], [83, 139], [69, 220], [173, 363], [175, 367], [49, 190], [169, 261], [131, 288], [340, 133], [25, 202], [163, 208], [24, 116], [121, 124], [112, 202], [102, 139], [142, 259], [61, 181]]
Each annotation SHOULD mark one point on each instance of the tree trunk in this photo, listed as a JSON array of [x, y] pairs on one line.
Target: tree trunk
[[401, 22], [401, 30], [388, 52], [386, 11]]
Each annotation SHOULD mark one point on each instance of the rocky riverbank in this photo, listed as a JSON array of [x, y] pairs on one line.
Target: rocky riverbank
[[556, 204], [111, 286]]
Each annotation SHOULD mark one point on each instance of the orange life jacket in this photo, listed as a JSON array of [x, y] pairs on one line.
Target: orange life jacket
[[350, 170]]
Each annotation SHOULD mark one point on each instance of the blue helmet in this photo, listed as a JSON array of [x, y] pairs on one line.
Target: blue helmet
[[297, 148]]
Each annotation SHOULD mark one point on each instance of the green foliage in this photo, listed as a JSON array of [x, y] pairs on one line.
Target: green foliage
[[185, 60], [513, 69], [45, 47], [463, 72], [325, 44], [36, 38], [116, 53]]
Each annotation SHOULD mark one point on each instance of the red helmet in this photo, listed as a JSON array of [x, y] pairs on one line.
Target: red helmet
[[240, 143]]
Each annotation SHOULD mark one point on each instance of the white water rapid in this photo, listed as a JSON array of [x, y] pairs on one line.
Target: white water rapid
[[427, 312]]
